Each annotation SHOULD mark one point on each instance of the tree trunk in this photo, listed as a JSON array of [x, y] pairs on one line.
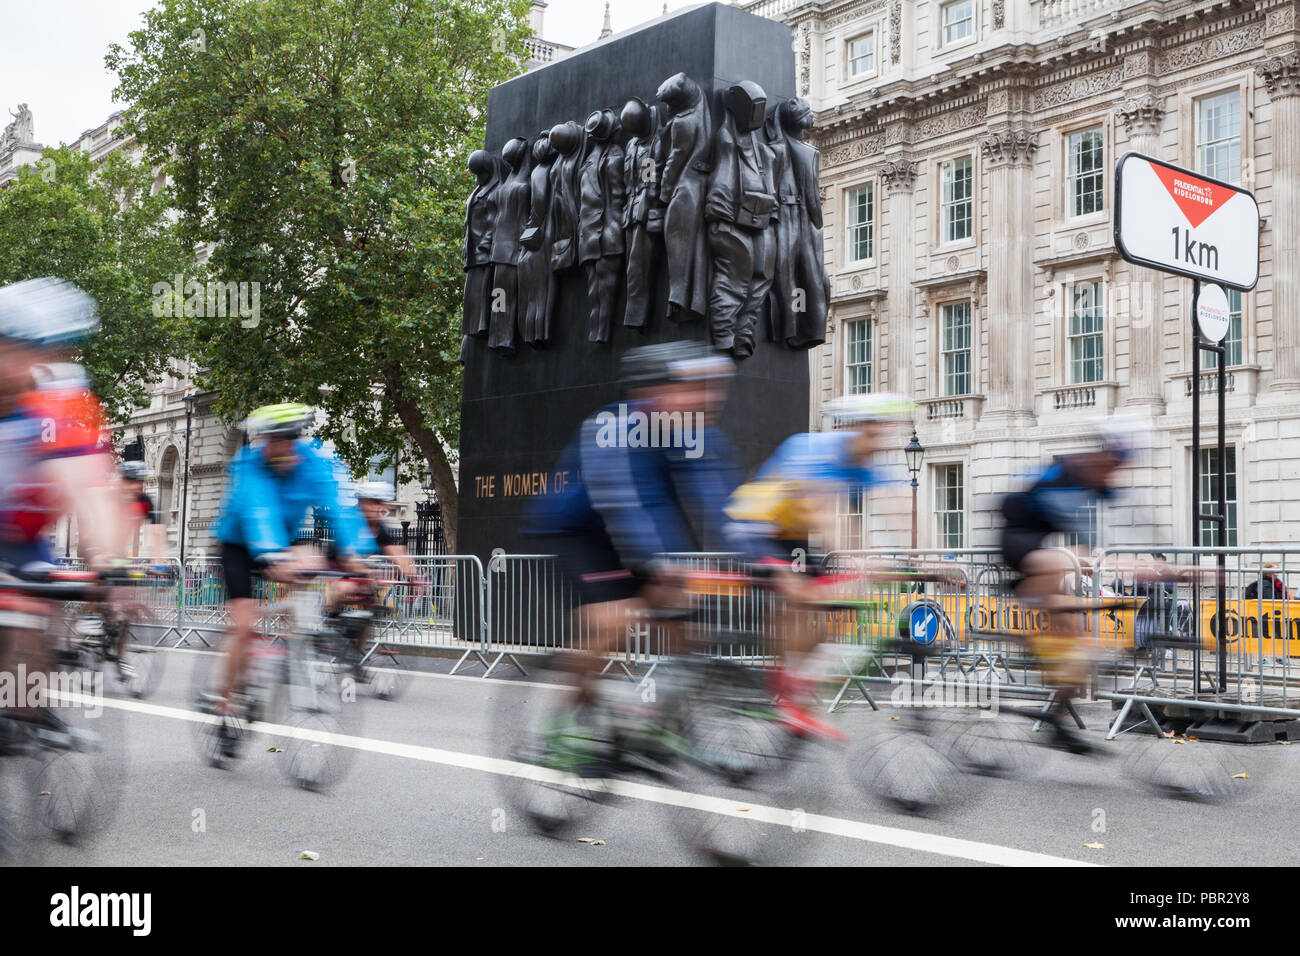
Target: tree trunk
[[444, 482]]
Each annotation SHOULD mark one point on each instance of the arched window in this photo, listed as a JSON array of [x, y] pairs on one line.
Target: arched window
[[169, 491]]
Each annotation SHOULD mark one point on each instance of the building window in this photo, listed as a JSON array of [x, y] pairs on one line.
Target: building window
[[860, 215], [1086, 176], [1087, 319], [1218, 136], [1231, 341], [862, 55], [954, 347], [1085, 520], [949, 506], [958, 21], [857, 357], [955, 202], [1210, 496], [853, 520]]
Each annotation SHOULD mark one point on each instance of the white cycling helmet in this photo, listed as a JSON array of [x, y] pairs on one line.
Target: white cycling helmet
[[1123, 435], [848, 410], [47, 312], [376, 491]]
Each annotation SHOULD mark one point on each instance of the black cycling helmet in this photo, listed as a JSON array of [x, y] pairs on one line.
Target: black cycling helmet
[[681, 361]]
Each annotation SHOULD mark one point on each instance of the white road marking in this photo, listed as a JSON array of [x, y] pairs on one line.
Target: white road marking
[[834, 826]]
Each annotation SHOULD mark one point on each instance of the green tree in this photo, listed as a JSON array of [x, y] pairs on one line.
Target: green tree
[[321, 145], [107, 229]]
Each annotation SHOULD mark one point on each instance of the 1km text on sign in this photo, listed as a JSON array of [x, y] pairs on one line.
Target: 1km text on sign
[[1177, 221]]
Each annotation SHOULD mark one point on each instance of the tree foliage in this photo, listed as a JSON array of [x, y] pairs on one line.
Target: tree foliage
[[105, 228], [321, 145]]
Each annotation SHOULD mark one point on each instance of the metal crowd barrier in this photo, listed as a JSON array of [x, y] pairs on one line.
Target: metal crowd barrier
[[1170, 653]]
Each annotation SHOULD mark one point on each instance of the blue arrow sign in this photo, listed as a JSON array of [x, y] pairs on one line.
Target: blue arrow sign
[[923, 624]]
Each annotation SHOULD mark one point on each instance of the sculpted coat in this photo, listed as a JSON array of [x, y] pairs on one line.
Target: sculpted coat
[[489, 171], [643, 212], [800, 295], [536, 281], [688, 138], [510, 209], [600, 221]]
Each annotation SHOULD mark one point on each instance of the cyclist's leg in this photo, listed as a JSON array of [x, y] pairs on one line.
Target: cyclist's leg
[[1062, 648], [237, 567]]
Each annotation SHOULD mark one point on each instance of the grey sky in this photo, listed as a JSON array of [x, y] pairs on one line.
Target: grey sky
[[52, 52]]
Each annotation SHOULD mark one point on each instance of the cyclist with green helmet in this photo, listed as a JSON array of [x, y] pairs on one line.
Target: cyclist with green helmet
[[271, 485]]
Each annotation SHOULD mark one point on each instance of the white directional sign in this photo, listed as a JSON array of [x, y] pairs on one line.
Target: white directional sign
[[1212, 316], [1174, 220]]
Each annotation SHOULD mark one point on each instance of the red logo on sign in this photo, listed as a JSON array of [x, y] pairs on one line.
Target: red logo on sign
[[1196, 197]]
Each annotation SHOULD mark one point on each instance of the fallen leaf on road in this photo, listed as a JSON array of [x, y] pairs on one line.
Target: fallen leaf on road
[[479, 859], [308, 855], [591, 841], [45, 793], [1095, 846], [893, 718], [1241, 776], [275, 750], [1180, 741], [1283, 742]]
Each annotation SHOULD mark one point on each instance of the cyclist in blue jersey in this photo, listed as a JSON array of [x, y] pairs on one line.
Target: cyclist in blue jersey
[[791, 504], [652, 476], [271, 485]]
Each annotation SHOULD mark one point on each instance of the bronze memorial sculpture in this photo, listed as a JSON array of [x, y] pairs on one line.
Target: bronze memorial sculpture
[[799, 296], [643, 220], [600, 221], [487, 171], [741, 212], [536, 281], [731, 218], [688, 140], [510, 204]]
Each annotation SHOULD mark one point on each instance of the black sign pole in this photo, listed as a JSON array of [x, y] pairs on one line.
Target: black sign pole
[[1222, 541], [1196, 478]]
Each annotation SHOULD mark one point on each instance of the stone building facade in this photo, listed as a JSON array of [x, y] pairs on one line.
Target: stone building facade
[[968, 150]]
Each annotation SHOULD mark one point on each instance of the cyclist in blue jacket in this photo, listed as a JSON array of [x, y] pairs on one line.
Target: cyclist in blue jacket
[[271, 485]]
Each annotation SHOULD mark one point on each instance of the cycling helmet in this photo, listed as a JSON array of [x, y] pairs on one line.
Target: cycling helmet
[[47, 312], [680, 361], [376, 491], [1122, 435], [872, 407], [287, 420], [134, 471]]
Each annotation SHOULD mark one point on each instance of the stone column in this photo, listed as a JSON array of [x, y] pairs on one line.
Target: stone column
[[1008, 163], [898, 176], [1281, 74], [1141, 116]]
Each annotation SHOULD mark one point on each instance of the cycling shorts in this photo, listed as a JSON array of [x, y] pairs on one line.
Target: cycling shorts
[[237, 567], [592, 566]]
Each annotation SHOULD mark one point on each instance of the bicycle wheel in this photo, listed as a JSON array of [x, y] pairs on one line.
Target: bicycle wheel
[[206, 682], [988, 745], [139, 670], [1183, 769], [21, 834], [731, 725], [898, 765], [314, 708], [562, 752]]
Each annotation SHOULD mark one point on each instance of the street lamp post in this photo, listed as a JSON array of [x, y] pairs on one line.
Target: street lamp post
[[185, 492], [914, 452]]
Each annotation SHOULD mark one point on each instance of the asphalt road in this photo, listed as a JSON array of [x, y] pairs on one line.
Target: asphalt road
[[426, 787]]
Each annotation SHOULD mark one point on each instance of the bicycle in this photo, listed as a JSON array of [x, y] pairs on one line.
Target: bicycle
[[698, 714], [292, 687], [63, 752], [100, 636]]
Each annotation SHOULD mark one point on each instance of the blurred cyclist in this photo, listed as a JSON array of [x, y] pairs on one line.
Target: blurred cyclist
[[638, 494], [145, 534], [1055, 502], [271, 485], [376, 501], [53, 457], [792, 502]]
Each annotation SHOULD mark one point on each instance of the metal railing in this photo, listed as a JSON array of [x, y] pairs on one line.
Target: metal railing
[[1180, 652]]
